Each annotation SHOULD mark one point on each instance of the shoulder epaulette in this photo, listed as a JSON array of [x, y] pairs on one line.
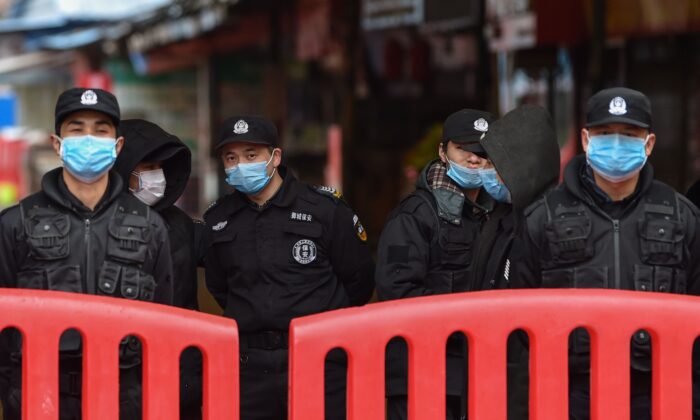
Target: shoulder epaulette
[[328, 191]]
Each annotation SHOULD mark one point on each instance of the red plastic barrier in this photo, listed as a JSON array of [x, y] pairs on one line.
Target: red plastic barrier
[[164, 332], [487, 318]]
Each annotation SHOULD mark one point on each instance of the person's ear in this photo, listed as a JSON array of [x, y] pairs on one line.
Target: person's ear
[[584, 139], [651, 141], [119, 145], [56, 144], [441, 153], [276, 157]]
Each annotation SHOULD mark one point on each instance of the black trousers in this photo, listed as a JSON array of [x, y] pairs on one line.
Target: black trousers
[[640, 396], [264, 385], [70, 402]]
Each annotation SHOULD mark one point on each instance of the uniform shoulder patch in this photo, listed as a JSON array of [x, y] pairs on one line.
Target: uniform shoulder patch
[[328, 191], [359, 229]]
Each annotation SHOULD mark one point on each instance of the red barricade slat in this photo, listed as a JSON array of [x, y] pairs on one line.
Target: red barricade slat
[[487, 319], [164, 331]]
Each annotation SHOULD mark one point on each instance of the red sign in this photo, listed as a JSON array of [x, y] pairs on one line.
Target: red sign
[[95, 79]]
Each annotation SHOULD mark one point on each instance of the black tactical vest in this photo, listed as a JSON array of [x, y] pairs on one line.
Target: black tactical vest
[[89, 258], [451, 252], [59, 258], [644, 250]]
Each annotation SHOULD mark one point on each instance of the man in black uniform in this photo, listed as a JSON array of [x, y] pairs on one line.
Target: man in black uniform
[[427, 243], [279, 250], [157, 166], [81, 233], [612, 225]]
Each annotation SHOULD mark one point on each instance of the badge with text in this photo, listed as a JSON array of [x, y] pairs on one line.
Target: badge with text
[[304, 251], [300, 216], [219, 226]]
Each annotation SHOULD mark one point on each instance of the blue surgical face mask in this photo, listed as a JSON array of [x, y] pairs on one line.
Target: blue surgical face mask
[[88, 157], [494, 187], [467, 178], [249, 178], [616, 157]]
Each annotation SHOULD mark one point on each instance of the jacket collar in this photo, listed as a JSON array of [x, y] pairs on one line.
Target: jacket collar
[[53, 185], [579, 180], [449, 197]]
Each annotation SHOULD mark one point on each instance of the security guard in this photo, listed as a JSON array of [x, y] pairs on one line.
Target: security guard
[[83, 234], [427, 244], [612, 225], [157, 166], [280, 250]]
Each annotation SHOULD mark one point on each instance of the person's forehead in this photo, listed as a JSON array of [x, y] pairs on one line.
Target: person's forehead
[[87, 116], [150, 163], [617, 127], [240, 147]]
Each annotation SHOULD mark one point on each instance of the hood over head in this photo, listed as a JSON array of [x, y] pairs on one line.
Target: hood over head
[[146, 141], [523, 147]]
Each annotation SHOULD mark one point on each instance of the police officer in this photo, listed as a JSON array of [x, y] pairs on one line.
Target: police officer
[[279, 249], [81, 233], [612, 225], [157, 166], [427, 243]]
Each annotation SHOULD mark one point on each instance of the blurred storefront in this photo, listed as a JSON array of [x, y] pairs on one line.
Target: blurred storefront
[[556, 54], [418, 62]]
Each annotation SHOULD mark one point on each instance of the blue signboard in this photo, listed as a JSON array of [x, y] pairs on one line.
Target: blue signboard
[[8, 109]]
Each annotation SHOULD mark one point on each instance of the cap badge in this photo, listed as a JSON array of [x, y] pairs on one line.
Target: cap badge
[[481, 125], [241, 127], [618, 106], [89, 98]]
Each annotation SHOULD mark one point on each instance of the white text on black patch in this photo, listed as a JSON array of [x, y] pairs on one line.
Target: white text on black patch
[[301, 217]]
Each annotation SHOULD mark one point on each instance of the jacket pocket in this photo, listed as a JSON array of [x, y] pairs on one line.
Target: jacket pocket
[[48, 235], [661, 241], [108, 278], [568, 239], [300, 244], [576, 277], [591, 277], [31, 279], [556, 279], [440, 282], [65, 278], [137, 285], [127, 241], [659, 279]]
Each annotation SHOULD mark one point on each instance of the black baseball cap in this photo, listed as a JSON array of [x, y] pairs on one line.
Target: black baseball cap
[[466, 127], [248, 129], [618, 105], [78, 99]]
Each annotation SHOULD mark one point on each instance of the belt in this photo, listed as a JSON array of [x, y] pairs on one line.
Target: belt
[[266, 340]]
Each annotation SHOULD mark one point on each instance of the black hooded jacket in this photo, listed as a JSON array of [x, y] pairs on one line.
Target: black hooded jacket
[[426, 248], [146, 142], [523, 148], [51, 241]]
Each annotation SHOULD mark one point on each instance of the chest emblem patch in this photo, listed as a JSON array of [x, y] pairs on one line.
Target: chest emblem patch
[[304, 251], [219, 226]]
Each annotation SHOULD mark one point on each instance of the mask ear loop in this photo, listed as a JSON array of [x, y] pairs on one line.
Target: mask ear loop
[[270, 160], [138, 176]]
